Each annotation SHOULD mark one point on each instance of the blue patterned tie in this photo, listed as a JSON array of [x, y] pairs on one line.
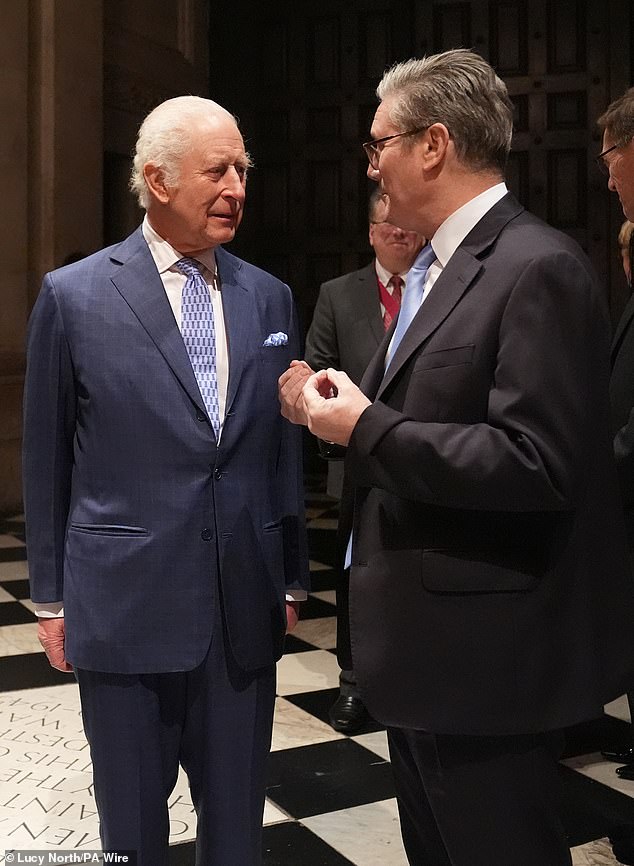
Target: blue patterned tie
[[412, 298], [199, 335]]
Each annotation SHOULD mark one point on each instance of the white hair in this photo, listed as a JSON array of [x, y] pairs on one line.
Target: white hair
[[165, 136]]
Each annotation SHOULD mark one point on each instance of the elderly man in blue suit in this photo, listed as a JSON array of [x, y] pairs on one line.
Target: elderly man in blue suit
[[163, 495]]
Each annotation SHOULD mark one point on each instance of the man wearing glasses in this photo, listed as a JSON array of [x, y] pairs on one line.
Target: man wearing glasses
[[617, 162], [491, 603]]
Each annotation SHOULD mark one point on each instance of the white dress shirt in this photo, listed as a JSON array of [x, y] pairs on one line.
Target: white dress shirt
[[165, 258], [385, 276]]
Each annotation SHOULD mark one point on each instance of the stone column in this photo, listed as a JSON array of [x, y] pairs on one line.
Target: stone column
[[51, 164]]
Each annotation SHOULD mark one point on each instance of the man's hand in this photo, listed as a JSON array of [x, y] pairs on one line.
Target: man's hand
[[291, 384], [50, 632], [333, 405], [292, 615]]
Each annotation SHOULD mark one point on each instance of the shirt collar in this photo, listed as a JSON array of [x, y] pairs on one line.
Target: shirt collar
[[384, 275], [457, 226], [164, 254]]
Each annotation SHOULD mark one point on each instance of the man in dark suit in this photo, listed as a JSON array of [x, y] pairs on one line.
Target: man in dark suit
[[617, 161], [490, 595], [351, 317], [163, 495]]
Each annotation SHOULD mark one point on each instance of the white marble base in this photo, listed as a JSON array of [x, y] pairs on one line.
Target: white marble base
[[273, 814], [19, 639], [7, 541], [595, 767], [320, 632], [293, 727], [14, 570], [365, 834], [328, 595], [598, 853], [307, 672], [375, 742], [318, 566], [619, 709]]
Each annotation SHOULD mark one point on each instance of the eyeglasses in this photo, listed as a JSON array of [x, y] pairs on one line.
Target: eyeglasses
[[373, 151], [602, 165]]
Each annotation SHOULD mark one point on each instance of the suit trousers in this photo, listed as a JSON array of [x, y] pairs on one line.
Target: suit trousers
[[478, 801], [216, 721]]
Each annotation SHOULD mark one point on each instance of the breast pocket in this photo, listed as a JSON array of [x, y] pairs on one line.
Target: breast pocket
[[450, 357], [274, 354], [109, 529]]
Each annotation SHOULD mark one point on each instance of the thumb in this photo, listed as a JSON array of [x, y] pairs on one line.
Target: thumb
[[339, 379]]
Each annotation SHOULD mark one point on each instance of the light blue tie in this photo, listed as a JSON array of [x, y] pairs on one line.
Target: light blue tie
[[199, 335], [410, 304], [412, 297]]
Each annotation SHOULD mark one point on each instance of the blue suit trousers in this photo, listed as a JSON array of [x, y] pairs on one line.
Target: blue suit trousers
[[216, 721]]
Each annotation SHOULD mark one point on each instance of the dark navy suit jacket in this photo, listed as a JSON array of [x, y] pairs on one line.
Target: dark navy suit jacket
[[136, 518], [622, 406], [489, 563]]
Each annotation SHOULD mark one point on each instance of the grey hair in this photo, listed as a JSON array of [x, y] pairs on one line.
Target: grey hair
[[165, 136], [461, 90], [618, 119]]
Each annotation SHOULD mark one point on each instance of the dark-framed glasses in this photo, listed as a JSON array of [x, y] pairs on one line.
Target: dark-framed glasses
[[602, 165], [373, 148]]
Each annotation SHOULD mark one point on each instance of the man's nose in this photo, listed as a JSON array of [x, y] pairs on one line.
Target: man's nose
[[373, 173], [234, 188]]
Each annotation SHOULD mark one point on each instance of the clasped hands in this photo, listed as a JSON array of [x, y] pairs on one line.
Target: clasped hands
[[327, 402]]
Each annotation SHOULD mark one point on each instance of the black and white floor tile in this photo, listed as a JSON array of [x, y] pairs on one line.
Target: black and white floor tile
[[330, 798]]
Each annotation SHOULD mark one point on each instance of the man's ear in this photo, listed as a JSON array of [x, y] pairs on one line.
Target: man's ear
[[155, 180], [436, 143]]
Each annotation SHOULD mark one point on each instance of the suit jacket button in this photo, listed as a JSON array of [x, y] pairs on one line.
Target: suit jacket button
[[218, 474], [206, 535], [201, 416]]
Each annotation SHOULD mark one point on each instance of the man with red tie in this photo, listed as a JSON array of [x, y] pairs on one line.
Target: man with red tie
[[351, 316]]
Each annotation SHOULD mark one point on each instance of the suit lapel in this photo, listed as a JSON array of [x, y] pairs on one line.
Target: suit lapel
[[366, 303], [446, 292], [238, 306], [139, 283], [460, 271], [624, 321]]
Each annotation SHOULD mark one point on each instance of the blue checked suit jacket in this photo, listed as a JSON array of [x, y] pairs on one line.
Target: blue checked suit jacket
[[136, 518]]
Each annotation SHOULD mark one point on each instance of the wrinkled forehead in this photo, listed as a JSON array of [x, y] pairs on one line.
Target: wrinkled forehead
[[382, 123], [221, 138]]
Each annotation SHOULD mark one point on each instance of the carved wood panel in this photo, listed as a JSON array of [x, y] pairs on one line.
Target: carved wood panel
[[318, 65]]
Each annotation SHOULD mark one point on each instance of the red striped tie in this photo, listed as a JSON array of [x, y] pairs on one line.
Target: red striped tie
[[391, 302]]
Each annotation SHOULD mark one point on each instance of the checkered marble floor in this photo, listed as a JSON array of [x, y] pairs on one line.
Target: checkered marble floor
[[330, 799]]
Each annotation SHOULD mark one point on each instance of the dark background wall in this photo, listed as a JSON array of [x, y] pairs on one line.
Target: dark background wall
[[302, 76], [80, 75]]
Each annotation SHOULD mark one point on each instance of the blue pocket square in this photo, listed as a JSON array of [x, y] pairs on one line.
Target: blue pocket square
[[279, 339]]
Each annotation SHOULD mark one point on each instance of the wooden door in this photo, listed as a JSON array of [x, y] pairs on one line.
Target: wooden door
[[301, 76]]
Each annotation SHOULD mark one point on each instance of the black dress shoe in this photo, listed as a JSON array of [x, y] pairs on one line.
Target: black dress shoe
[[626, 772], [624, 755], [347, 714]]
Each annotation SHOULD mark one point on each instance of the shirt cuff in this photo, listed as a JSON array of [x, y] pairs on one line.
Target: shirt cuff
[[49, 610], [296, 595]]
